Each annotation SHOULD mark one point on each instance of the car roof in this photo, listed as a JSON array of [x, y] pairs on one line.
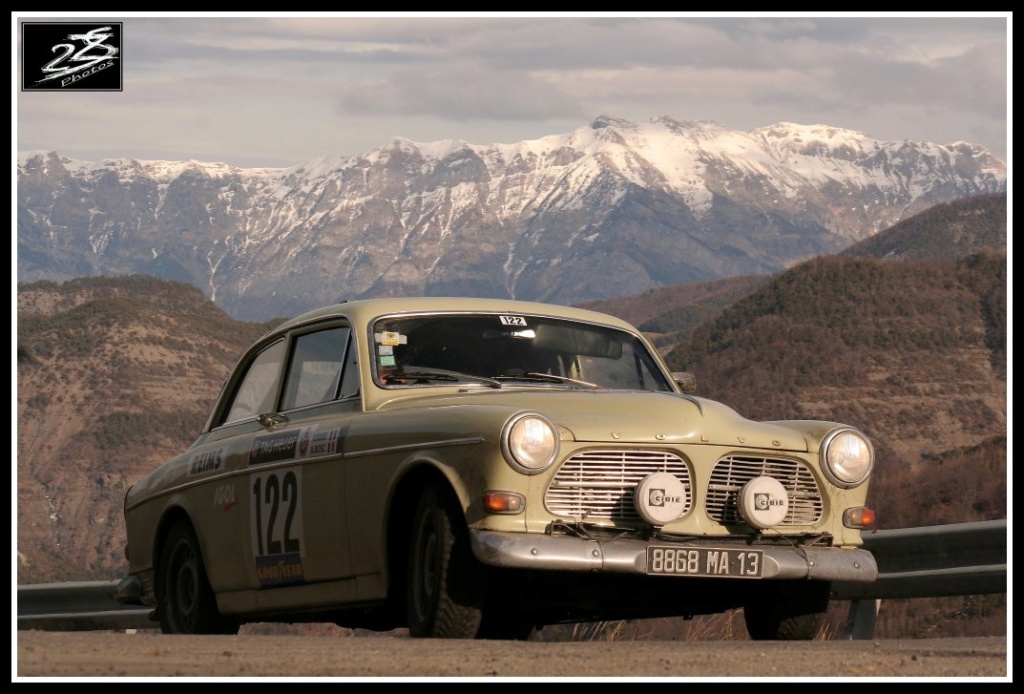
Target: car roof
[[363, 311]]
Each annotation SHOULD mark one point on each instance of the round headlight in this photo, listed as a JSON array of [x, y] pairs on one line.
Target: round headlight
[[848, 457], [529, 442]]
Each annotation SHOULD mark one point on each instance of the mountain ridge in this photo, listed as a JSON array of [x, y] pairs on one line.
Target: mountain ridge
[[609, 209]]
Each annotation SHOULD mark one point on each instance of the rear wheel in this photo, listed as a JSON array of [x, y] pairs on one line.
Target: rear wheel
[[790, 611], [186, 604], [445, 587]]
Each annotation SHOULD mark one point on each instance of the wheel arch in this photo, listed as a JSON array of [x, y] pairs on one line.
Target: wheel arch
[[401, 508], [171, 516]]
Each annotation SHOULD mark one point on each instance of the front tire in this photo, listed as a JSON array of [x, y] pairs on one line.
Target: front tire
[[445, 587], [790, 611], [186, 603]]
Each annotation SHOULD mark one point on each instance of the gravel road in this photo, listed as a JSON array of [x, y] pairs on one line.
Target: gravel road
[[149, 654]]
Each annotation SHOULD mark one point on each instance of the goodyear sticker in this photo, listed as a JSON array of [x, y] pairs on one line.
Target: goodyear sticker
[[279, 570]]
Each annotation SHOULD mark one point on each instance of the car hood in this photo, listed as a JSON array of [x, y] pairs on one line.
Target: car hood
[[628, 416]]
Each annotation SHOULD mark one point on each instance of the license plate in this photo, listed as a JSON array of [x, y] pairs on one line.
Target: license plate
[[704, 561]]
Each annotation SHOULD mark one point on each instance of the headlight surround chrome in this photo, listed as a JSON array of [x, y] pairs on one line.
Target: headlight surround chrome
[[847, 457], [529, 442]]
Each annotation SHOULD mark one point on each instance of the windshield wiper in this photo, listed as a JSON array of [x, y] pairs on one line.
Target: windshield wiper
[[427, 376], [547, 378]]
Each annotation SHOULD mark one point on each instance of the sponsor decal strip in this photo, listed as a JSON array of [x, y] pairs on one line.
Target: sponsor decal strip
[[297, 444]]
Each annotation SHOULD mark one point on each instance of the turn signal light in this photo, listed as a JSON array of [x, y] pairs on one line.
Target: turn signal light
[[504, 502], [860, 517]]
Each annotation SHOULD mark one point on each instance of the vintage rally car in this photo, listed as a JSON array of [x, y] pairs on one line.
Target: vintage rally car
[[479, 468]]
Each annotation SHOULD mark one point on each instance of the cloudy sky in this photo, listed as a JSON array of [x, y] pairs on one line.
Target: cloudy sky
[[279, 89]]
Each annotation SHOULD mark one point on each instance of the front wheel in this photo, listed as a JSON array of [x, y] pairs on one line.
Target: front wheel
[[790, 611], [445, 582], [186, 603]]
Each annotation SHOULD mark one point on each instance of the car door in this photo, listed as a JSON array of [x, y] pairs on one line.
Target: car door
[[296, 531]]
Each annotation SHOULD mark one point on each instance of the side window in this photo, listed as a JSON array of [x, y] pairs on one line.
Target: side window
[[316, 366], [259, 387]]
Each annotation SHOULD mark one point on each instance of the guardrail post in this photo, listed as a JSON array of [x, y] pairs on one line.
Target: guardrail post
[[861, 623]]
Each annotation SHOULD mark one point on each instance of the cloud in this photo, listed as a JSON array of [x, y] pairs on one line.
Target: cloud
[[460, 93], [285, 88]]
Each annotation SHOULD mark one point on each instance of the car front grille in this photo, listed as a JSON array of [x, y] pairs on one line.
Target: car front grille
[[600, 484], [733, 471]]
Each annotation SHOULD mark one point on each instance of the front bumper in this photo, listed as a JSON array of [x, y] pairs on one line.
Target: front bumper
[[565, 553]]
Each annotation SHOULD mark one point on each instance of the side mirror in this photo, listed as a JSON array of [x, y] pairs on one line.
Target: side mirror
[[686, 381]]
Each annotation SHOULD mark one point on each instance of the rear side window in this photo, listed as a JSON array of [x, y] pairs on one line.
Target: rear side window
[[316, 366], [258, 389]]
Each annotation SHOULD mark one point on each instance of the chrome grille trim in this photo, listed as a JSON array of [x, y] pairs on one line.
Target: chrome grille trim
[[600, 483], [733, 471]]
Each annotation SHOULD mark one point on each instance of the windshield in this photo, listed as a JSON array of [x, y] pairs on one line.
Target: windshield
[[498, 349]]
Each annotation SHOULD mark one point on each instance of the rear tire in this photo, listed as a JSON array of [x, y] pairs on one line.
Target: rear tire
[[445, 587], [186, 603], [791, 611]]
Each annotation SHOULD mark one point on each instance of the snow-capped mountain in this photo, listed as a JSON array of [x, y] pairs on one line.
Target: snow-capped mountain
[[610, 209]]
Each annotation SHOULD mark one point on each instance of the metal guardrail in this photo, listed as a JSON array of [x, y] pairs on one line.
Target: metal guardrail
[[78, 606], [927, 562], [931, 561], [934, 561]]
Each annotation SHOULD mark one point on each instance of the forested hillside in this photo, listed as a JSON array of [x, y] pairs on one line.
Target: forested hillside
[[114, 376], [914, 353]]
